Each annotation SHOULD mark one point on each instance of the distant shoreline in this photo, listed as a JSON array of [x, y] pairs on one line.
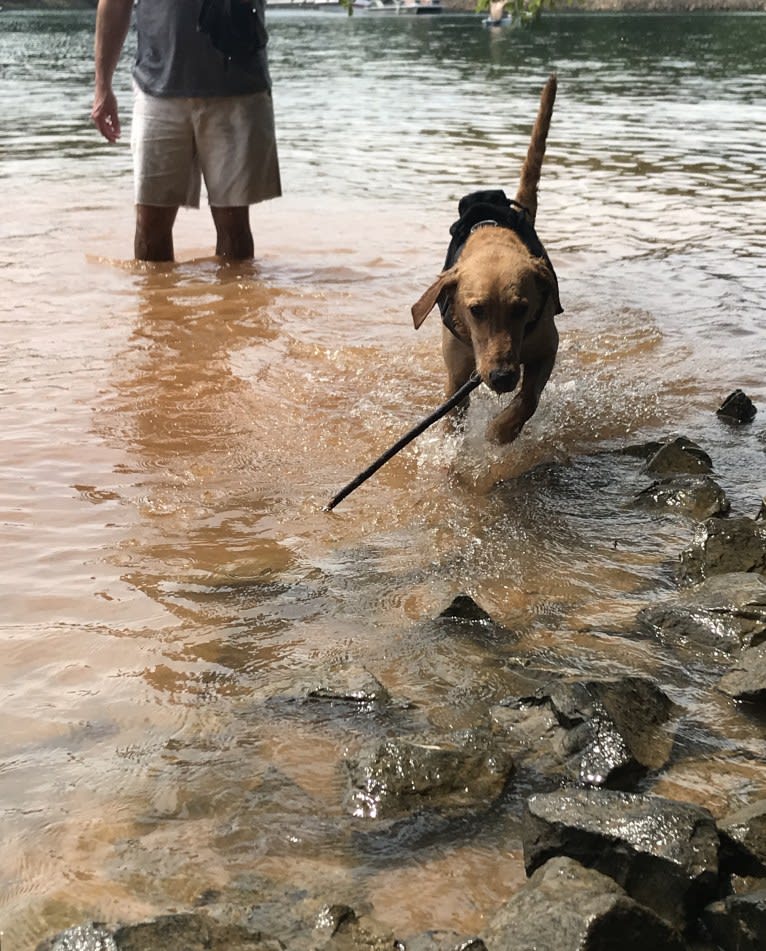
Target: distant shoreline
[[468, 6]]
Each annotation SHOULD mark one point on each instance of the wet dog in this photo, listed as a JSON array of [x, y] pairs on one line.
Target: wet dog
[[498, 294]]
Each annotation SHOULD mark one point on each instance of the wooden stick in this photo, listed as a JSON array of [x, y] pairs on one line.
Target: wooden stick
[[473, 381]]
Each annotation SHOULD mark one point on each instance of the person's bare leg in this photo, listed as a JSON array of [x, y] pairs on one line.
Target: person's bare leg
[[234, 237], [154, 233]]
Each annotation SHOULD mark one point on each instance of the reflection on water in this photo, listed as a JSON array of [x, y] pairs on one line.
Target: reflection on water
[[172, 433]]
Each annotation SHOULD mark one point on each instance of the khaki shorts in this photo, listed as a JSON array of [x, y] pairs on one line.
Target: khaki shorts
[[228, 140]]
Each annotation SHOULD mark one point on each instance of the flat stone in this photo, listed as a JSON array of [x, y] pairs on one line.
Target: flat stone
[[334, 683], [679, 455], [191, 932], [567, 907], [453, 776], [726, 612], [663, 853], [697, 497]]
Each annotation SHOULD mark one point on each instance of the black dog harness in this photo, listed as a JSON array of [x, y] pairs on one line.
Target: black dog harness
[[490, 209]]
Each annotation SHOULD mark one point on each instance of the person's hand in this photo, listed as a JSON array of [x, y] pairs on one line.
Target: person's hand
[[105, 116]]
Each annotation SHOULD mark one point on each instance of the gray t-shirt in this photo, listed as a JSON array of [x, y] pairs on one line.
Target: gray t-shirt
[[174, 59]]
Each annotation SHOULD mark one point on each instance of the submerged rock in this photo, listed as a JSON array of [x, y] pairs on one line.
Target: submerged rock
[[724, 545], [737, 408], [442, 941], [726, 612], [567, 907], [461, 774], [466, 619], [747, 678], [334, 683], [698, 497], [739, 922], [663, 853], [595, 732], [678, 455], [91, 936], [191, 932]]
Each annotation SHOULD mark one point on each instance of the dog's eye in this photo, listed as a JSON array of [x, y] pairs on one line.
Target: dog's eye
[[478, 311], [518, 309]]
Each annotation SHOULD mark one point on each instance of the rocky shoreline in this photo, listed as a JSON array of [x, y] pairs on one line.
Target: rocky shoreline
[[610, 863]]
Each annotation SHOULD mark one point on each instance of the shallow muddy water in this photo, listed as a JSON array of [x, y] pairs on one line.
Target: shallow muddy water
[[170, 435]]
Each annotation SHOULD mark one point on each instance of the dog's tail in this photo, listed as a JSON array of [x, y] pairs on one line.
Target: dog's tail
[[530, 172]]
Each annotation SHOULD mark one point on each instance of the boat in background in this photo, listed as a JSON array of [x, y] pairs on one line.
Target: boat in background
[[332, 6], [408, 7], [403, 7]]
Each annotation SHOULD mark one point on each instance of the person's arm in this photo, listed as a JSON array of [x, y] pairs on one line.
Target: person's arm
[[112, 24]]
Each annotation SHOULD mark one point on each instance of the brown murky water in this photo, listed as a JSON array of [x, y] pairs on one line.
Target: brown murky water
[[170, 435]]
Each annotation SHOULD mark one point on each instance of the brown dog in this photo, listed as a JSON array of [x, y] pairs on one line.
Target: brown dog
[[498, 293]]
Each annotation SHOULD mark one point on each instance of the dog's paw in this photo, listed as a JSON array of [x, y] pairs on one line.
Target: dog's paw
[[503, 431]]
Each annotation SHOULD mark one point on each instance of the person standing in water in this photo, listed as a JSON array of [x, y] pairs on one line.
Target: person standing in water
[[198, 112]]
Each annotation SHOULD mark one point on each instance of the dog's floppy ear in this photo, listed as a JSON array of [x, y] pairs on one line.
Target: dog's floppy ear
[[422, 308]]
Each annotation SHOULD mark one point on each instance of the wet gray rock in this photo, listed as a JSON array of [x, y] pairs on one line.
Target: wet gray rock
[[183, 932], [726, 612], [532, 732], [739, 922], [464, 608], [697, 497], [747, 678], [91, 936], [663, 853], [614, 728], [743, 840], [643, 450], [466, 619], [678, 455], [595, 733], [456, 775], [332, 918], [567, 907], [737, 408], [724, 545]]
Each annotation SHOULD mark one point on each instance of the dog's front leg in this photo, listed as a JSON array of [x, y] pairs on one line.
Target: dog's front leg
[[508, 423], [460, 364]]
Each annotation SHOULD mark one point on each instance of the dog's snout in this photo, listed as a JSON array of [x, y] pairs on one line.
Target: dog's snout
[[503, 381]]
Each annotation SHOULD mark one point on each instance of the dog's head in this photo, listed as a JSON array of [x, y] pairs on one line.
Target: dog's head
[[501, 304]]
